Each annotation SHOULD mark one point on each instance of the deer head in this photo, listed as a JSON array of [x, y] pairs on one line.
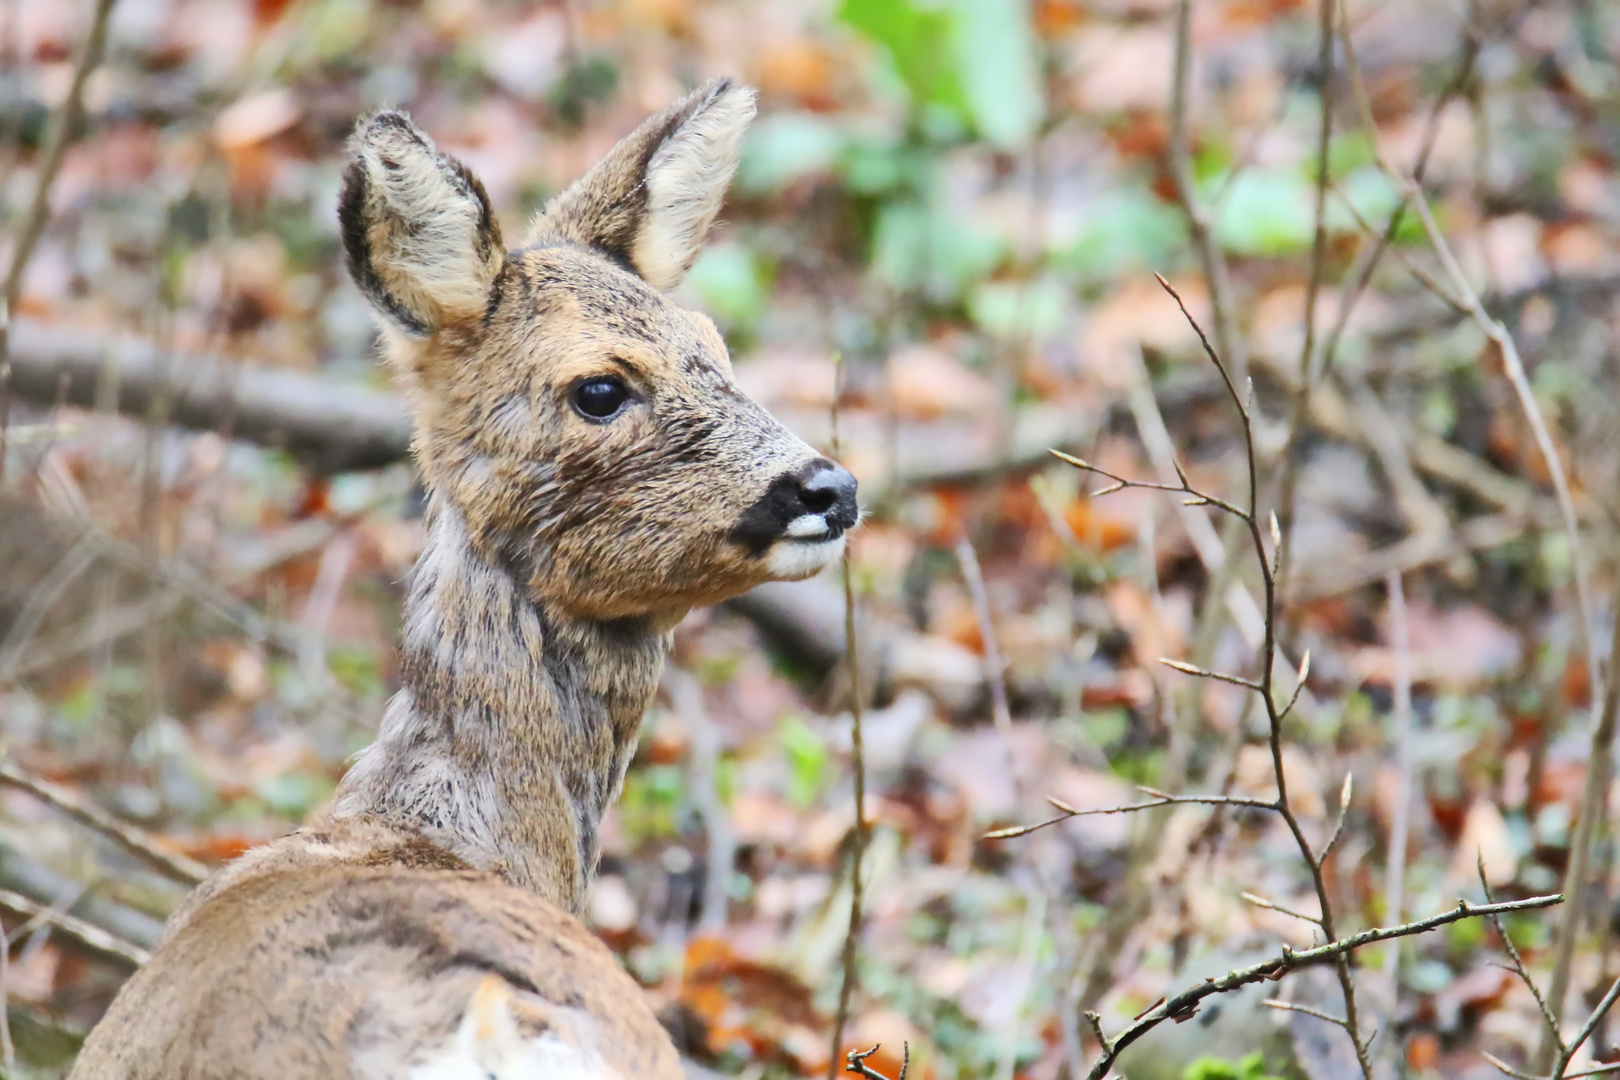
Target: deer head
[[585, 426]]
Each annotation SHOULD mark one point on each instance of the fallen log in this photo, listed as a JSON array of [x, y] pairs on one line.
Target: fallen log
[[327, 424]]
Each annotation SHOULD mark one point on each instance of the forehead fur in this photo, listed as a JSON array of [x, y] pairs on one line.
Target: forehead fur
[[575, 293]]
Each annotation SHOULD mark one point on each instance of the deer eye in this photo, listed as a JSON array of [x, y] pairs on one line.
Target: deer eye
[[600, 398]]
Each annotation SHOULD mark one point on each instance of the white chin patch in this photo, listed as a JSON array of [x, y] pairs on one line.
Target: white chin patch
[[791, 560], [807, 527]]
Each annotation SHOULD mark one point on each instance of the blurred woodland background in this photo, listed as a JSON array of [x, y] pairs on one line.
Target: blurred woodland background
[[208, 508]]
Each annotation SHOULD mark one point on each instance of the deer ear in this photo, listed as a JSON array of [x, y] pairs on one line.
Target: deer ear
[[649, 203], [418, 233]]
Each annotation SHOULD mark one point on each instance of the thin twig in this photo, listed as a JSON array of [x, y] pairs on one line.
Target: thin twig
[[1518, 967], [56, 144], [1345, 793], [181, 868], [1407, 262], [1299, 412], [1094, 1021], [1159, 799], [1120, 483], [1602, 742], [855, 1062], [1519, 1074], [1211, 260], [1218, 676], [1401, 644], [997, 676], [1268, 658], [92, 937], [1420, 166], [1289, 1006], [1587, 1028], [1212, 551], [7, 1048], [1185, 1003], [1538, 425], [1272, 905], [852, 655]]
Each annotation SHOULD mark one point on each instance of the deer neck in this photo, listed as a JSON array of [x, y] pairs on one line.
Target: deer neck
[[514, 725]]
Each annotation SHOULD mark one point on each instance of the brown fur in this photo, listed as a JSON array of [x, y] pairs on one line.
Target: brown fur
[[325, 960], [561, 550]]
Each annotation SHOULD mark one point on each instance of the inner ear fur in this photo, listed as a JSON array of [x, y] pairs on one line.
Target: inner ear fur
[[419, 236], [649, 204]]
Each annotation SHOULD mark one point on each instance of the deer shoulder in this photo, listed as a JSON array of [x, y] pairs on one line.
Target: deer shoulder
[[594, 473]]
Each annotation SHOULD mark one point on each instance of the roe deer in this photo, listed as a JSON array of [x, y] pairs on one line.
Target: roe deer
[[594, 473]]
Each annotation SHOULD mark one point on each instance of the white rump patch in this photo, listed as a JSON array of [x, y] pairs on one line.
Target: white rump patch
[[794, 560], [686, 183], [489, 1045]]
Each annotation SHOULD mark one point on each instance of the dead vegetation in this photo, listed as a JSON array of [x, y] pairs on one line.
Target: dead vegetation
[[1393, 454]]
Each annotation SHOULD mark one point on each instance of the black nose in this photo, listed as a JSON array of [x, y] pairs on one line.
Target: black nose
[[821, 489], [829, 490]]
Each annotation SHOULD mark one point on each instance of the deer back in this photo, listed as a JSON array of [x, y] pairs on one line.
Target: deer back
[[356, 951]]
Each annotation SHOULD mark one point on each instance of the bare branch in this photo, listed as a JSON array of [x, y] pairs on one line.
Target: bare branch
[[1518, 967], [1120, 483], [1289, 1006], [1159, 799], [181, 868], [61, 132], [1587, 1028], [1338, 824], [1613, 1066], [1400, 641], [1538, 425], [1218, 676], [855, 1062], [1299, 682], [1095, 1021], [1518, 1074], [852, 658], [1510, 1070], [1211, 259], [1403, 258], [1209, 350], [1271, 905], [1186, 1003], [91, 937]]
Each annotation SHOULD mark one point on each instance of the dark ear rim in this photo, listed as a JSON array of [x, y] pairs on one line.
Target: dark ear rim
[[606, 221], [357, 252], [653, 133], [352, 226]]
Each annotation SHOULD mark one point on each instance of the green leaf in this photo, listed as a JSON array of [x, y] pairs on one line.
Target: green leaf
[[997, 66], [1126, 230], [918, 247], [733, 284], [1251, 1067], [1267, 212], [807, 761], [1351, 151], [917, 36], [1026, 310], [785, 147], [976, 59], [1373, 196], [875, 166]]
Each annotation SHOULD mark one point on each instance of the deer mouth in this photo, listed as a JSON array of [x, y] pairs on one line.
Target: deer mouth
[[796, 557], [812, 529]]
